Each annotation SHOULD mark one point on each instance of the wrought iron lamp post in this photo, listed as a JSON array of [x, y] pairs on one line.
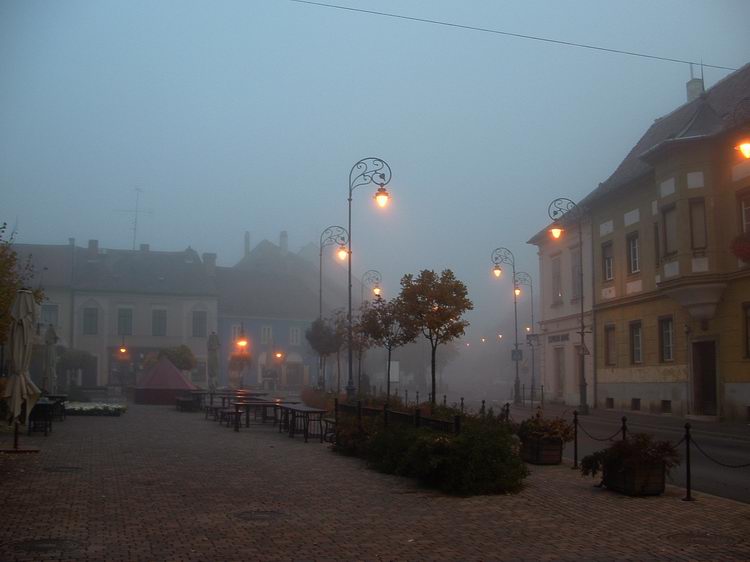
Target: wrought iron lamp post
[[371, 277], [564, 211], [523, 278], [333, 235], [368, 171], [505, 256]]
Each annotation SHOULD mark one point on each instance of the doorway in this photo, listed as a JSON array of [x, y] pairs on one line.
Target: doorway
[[704, 378]]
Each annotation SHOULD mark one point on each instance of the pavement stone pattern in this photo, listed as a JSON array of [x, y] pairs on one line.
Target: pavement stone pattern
[[157, 484]]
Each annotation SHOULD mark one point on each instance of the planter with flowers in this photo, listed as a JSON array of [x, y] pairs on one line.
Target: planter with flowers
[[635, 466], [542, 439]]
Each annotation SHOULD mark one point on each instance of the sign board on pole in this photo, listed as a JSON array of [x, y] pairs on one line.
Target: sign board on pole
[[394, 371], [516, 354]]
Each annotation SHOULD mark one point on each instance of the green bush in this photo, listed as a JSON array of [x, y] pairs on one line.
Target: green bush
[[483, 459]]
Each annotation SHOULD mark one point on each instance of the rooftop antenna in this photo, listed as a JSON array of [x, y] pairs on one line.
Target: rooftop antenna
[[136, 213]]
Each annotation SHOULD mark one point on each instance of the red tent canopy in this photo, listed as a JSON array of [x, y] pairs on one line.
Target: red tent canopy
[[162, 384]]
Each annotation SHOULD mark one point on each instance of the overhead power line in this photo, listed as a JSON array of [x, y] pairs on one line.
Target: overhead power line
[[510, 34]]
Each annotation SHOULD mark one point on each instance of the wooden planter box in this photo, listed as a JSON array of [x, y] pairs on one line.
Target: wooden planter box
[[644, 480], [542, 451]]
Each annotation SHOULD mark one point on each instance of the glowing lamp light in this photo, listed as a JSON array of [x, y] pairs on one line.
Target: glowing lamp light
[[376, 290], [468, 345], [242, 343], [497, 271], [483, 340], [123, 349], [499, 336], [528, 329], [517, 292], [278, 355], [744, 148], [382, 196], [556, 231], [342, 253]]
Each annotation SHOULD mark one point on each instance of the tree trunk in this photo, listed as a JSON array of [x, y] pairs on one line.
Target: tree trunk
[[432, 368], [338, 372], [388, 378]]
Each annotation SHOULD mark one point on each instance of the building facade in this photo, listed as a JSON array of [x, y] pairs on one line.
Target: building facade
[[671, 290]]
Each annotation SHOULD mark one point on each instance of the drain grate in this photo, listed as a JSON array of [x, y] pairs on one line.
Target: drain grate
[[47, 545], [259, 515], [63, 468], [702, 538]]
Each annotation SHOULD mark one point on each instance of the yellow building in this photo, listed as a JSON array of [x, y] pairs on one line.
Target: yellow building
[[672, 299]]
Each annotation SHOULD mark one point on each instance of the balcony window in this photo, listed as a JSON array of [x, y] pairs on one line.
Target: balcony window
[[636, 343], [669, 234], [610, 346], [556, 281], [159, 322], [266, 335]]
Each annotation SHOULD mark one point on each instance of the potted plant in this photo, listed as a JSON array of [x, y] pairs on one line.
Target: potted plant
[[542, 439], [635, 466], [741, 246]]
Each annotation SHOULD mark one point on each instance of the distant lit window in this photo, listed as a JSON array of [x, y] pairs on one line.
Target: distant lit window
[[124, 321], [634, 253], [200, 323], [90, 321], [50, 314]]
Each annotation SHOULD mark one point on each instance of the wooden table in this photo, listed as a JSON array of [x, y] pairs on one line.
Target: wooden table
[[292, 414]]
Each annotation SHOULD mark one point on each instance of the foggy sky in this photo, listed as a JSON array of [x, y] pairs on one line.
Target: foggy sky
[[235, 116]]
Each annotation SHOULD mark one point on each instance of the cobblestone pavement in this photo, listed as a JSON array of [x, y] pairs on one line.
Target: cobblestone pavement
[[156, 484]]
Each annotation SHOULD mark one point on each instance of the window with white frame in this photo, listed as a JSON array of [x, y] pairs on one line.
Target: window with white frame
[[159, 322], [90, 321], [200, 323], [636, 342], [50, 314], [124, 321], [634, 253], [294, 336], [266, 334], [666, 339], [236, 331]]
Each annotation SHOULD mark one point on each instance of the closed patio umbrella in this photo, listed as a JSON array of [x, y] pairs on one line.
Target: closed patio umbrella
[[20, 390]]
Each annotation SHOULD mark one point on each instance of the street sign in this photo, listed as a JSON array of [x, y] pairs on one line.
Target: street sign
[[516, 354]]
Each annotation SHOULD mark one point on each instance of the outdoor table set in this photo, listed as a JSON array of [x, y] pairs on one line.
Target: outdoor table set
[[47, 408]]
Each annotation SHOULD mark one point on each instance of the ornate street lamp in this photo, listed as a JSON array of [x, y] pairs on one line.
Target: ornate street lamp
[[523, 278], [505, 256], [563, 211], [333, 235], [368, 171], [371, 278]]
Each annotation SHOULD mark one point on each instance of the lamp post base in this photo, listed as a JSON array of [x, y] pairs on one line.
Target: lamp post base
[[350, 391]]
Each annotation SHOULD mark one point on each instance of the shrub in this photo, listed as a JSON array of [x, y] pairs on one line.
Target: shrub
[[538, 427], [387, 448], [637, 450]]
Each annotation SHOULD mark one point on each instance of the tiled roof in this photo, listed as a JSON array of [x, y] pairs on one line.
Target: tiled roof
[[712, 113], [122, 271]]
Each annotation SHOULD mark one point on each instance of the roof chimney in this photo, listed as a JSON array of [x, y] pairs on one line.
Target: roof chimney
[[93, 249], [209, 261], [247, 243], [284, 242], [144, 247], [694, 88]]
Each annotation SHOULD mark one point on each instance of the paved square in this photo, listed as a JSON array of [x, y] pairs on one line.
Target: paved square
[[157, 484]]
